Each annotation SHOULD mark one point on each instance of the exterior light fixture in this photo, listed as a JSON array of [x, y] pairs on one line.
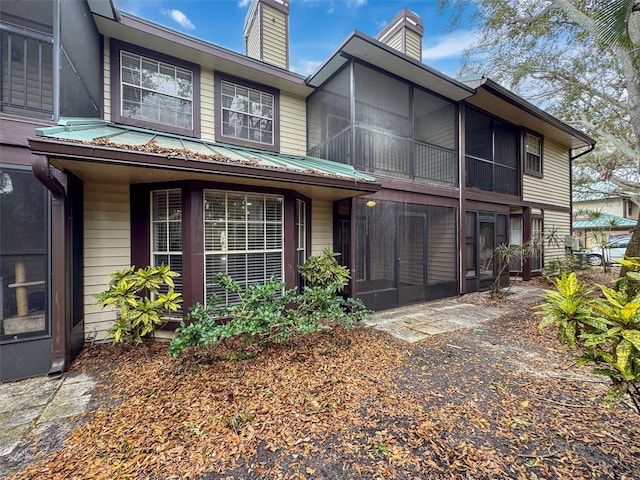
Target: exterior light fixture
[[371, 203]]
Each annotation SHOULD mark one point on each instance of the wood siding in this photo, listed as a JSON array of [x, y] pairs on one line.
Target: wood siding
[[321, 226], [293, 124], [207, 106], [560, 223], [413, 44], [554, 188], [253, 38], [441, 248], [274, 39], [107, 240], [396, 41]]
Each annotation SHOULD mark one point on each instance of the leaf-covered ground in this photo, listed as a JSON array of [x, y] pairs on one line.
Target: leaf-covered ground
[[497, 402]]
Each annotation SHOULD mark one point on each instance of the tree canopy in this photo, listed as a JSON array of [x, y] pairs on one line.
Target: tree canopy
[[579, 60]]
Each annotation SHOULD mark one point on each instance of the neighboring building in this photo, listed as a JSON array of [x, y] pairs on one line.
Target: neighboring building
[[169, 149], [595, 228]]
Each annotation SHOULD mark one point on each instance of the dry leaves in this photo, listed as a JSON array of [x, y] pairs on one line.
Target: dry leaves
[[351, 404]]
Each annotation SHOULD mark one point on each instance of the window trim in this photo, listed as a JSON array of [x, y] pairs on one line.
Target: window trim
[[525, 169], [219, 77], [116, 47]]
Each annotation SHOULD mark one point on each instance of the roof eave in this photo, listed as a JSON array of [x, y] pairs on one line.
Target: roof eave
[[363, 47], [141, 159]]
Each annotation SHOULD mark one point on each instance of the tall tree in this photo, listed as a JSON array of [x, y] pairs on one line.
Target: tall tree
[[578, 59]]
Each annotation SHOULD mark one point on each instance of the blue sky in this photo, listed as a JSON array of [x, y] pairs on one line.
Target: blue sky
[[316, 27]]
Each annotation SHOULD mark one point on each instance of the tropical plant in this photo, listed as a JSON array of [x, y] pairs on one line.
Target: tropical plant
[[604, 330], [140, 298], [323, 270]]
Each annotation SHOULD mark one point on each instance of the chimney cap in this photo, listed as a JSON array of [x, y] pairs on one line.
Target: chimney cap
[[405, 18]]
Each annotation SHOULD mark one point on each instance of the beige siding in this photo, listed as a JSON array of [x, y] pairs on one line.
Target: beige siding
[[274, 41], [321, 226], [107, 238], [555, 186], [612, 206], [413, 45], [207, 106], [441, 249], [560, 224], [106, 102], [293, 125], [396, 41], [253, 39]]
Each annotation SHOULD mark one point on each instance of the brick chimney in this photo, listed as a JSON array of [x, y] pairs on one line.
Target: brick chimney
[[404, 33], [266, 32]]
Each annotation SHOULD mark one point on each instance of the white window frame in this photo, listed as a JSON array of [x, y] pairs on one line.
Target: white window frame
[[249, 115], [220, 246], [160, 119], [533, 154]]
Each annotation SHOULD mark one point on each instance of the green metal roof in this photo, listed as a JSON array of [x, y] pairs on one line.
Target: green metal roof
[[604, 220], [100, 132]]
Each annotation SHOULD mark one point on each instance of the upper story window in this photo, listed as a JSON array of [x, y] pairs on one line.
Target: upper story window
[[247, 114], [154, 91], [533, 152], [491, 153]]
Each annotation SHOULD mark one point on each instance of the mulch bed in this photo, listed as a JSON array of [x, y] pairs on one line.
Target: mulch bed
[[496, 402]]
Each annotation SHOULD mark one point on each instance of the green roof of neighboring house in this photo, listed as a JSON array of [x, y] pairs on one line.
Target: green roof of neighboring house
[[604, 220], [106, 134]]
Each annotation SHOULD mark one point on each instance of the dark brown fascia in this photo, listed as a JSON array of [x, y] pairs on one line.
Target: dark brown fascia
[[120, 157]]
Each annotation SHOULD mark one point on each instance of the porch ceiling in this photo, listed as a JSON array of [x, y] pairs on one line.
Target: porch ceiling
[[101, 151]]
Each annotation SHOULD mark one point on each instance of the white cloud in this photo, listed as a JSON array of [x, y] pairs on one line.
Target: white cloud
[[180, 18], [356, 3], [243, 3], [450, 46], [306, 67]]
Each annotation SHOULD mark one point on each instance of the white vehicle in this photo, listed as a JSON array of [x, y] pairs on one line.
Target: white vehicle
[[614, 250]]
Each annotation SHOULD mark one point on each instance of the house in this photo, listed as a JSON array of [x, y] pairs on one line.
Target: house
[[129, 143]]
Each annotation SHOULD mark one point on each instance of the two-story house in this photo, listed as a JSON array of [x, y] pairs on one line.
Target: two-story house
[[210, 160]]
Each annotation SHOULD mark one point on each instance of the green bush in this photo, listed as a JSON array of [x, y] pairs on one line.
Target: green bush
[[140, 297], [605, 330], [324, 270], [559, 265], [269, 313]]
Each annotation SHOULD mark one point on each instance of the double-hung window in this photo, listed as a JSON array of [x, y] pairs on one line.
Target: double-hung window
[[243, 237], [166, 231], [154, 91], [533, 154], [247, 114]]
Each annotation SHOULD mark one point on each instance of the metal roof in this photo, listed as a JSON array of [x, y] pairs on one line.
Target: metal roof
[[106, 134], [604, 220]]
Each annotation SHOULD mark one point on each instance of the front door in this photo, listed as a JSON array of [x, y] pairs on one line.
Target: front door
[[25, 330]]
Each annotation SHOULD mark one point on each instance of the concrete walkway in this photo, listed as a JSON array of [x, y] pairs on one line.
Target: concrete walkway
[[28, 407]]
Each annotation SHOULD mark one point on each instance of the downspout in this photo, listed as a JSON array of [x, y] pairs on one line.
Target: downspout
[[55, 181], [57, 47]]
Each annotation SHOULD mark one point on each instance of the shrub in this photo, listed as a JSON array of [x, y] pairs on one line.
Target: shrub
[[324, 270], [267, 312], [605, 330], [140, 297]]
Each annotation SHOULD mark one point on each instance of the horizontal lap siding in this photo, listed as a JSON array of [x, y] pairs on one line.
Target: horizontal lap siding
[[321, 226], [396, 41], [293, 124], [107, 240], [207, 106], [413, 44], [560, 223], [555, 186], [274, 40], [253, 40]]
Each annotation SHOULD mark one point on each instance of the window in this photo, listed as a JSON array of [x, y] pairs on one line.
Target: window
[[154, 91], [247, 114], [243, 237], [537, 234], [301, 226], [516, 239], [166, 231], [533, 150]]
